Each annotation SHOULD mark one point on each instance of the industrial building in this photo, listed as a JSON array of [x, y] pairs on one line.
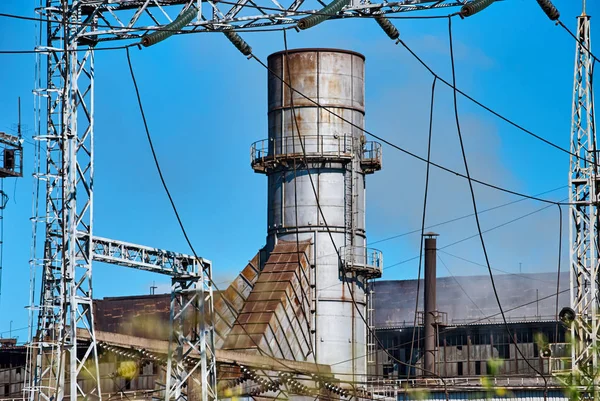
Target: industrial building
[[469, 336], [307, 317], [471, 331]]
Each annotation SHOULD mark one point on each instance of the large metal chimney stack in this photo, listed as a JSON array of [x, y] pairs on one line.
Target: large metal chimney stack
[[430, 307], [337, 157]]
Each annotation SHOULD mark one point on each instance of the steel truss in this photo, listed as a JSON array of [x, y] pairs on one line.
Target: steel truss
[[73, 28], [191, 316], [130, 19], [66, 296], [584, 190]]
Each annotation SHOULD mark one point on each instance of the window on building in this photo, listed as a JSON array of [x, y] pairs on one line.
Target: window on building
[[504, 351], [459, 369], [18, 371], [536, 351], [388, 371], [478, 368], [6, 389], [127, 384], [488, 369]]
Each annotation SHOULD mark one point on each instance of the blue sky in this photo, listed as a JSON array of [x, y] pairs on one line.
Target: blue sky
[[206, 104]]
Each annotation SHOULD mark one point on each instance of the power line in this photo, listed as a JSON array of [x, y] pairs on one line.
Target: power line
[[495, 113], [577, 40], [320, 210], [496, 269], [474, 202], [560, 229], [431, 107], [462, 217], [488, 317], [173, 206], [407, 152], [460, 286], [474, 236]]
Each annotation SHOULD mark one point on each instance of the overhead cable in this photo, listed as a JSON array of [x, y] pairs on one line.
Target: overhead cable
[[474, 203], [339, 258], [461, 217], [405, 151], [424, 213], [176, 212]]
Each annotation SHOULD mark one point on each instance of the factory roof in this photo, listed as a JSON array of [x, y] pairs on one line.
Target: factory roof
[[524, 297]]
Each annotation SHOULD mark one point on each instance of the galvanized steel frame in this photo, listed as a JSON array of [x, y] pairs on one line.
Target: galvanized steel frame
[[191, 295], [583, 186], [66, 296], [130, 19]]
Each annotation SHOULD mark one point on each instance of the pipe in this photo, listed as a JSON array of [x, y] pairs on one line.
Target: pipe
[[430, 303]]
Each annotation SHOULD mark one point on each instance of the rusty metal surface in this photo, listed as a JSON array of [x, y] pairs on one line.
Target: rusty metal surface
[[334, 80], [233, 299], [274, 316]]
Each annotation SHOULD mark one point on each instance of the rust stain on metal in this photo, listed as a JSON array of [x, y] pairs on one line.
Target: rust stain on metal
[[274, 314]]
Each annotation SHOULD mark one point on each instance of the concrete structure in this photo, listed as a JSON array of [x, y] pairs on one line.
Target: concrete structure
[[316, 165]]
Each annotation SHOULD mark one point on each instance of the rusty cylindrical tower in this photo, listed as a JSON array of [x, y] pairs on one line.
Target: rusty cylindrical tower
[[307, 139], [430, 307]]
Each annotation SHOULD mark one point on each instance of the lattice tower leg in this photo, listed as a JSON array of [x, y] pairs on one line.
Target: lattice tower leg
[[583, 183], [191, 344], [66, 295]]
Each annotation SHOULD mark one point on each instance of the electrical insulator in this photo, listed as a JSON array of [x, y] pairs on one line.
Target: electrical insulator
[[323, 15], [387, 27], [170, 29], [238, 42], [474, 7], [549, 9]]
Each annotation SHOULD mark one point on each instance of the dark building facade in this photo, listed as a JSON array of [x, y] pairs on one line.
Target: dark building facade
[[472, 340], [471, 337]]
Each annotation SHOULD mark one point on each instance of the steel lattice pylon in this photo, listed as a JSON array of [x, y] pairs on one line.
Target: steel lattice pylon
[[66, 297], [584, 190], [65, 101]]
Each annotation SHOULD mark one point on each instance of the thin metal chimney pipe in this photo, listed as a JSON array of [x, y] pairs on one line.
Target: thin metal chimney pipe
[[430, 304]]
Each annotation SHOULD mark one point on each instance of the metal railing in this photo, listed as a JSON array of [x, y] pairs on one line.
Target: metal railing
[[339, 146], [388, 386], [440, 318], [271, 150], [369, 260], [11, 156], [372, 152]]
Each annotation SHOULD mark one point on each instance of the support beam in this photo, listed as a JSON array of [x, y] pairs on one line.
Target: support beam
[[131, 19], [223, 356], [191, 310], [146, 258]]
